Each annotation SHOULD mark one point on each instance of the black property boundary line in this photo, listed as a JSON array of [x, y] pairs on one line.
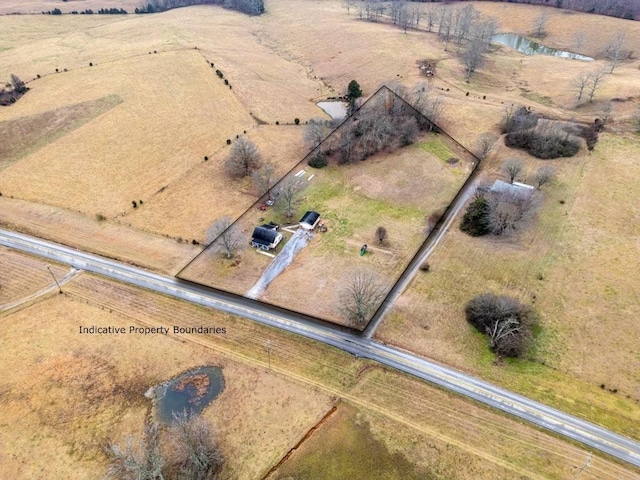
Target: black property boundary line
[[381, 310]]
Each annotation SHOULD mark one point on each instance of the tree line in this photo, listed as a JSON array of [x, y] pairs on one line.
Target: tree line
[[250, 7], [628, 9]]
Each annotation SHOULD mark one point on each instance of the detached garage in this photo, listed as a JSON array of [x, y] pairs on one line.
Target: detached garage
[[309, 220]]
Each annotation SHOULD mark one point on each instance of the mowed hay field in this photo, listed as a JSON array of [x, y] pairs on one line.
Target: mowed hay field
[[66, 394], [137, 147]]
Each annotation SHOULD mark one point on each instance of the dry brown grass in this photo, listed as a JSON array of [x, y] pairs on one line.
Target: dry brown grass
[[130, 152], [27, 134], [37, 6], [21, 275], [66, 395], [105, 238], [188, 206]]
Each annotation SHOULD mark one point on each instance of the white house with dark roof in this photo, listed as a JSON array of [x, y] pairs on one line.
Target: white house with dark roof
[[266, 237]]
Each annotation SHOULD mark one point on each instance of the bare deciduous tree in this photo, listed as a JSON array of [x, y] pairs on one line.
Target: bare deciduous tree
[[544, 175], [263, 179], [512, 167], [243, 158], [596, 79], [486, 142], [316, 131], [194, 452], [433, 110], [580, 39], [361, 297], [473, 57], [289, 194], [616, 49], [510, 211], [224, 236], [348, 4], [140, 460], [579, 84], [540, 24], [381, 235], [417, 13]]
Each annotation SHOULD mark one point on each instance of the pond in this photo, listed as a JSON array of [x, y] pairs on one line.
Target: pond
[[336, 110], [192, 390], [528, 47]]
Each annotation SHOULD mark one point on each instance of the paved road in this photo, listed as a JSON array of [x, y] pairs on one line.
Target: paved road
[[591, 435]]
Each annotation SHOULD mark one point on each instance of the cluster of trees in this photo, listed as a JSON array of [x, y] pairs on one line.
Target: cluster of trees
[[12, 90], [185, 449], [250, 7], [541, 139], [88, 11], [507, 323], [501, 212], [628, 9], [390, 119], [461, 25]]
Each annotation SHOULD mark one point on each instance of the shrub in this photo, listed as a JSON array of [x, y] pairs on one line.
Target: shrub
[[296, 121], [475, 221], [226, 82], [228, 141], [135, 205], [507, 322], [544, 143], [318, 160], [425, 267], [206, 158], [277, 122], [100, 217], [219, 73]]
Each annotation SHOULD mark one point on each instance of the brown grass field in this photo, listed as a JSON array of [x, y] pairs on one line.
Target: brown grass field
[[136, 126], [22, 275], [66, 394]]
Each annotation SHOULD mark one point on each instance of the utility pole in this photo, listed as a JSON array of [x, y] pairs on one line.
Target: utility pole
[[267, 347], [54, 279], [586, 465]]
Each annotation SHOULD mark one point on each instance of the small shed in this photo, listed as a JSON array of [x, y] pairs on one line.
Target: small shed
[[309, 220], [265, 238]]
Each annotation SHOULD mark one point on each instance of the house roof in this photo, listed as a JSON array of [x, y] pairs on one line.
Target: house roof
[[515, 189], [310, 217], [264, 236]]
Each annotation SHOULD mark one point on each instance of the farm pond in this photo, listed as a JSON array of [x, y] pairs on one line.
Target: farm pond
[[529, 47], [336, 110], [192, 390]]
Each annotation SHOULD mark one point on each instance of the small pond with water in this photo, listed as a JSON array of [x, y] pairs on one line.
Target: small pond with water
[[528, 47], [192, 390], [336, 110]]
